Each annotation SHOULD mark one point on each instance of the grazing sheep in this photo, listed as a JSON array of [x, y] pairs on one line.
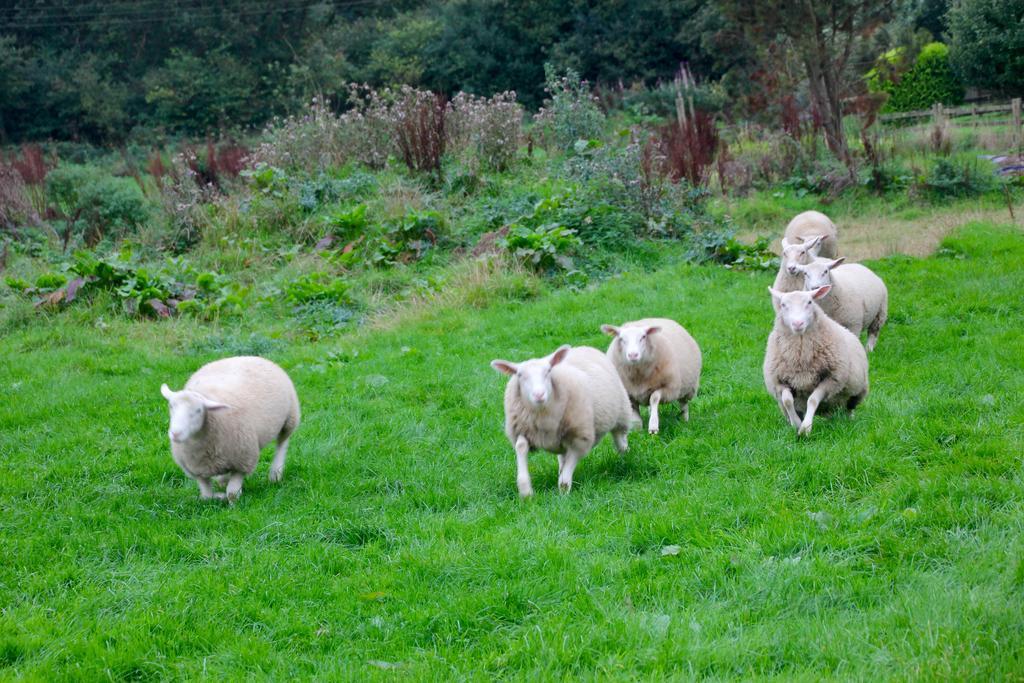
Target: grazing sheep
[[563, 403], [809, 224], [228, 411], [789, 279], [858, 300], [812, 360], [657, 360]]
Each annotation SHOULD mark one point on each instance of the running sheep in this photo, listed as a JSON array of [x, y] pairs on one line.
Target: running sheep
[[809, 224], [228, 411], [858, 299], [657, 360], [811, 360], [563, 403]]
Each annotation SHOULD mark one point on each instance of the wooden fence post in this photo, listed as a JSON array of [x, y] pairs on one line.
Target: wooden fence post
[[1015, 108]]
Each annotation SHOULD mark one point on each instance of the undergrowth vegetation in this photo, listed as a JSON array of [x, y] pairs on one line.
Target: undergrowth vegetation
[[383, 201]]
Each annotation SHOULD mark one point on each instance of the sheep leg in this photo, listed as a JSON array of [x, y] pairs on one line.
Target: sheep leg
[[561, 461], [222, 479], [788, 409], [234, 489], [652, 426], [873, 329], [684, 406], [621, 438], [572, 456], [820, 392], [206, 491], [522, 467], [277, 464]]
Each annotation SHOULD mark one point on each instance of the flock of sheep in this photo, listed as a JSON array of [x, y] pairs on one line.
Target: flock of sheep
[[566, 402]]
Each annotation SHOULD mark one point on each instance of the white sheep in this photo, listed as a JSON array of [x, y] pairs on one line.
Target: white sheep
[[858, 299], [563, 403], [812, 360], [657, 360], [809, 224], [228, 411], [789, 279]]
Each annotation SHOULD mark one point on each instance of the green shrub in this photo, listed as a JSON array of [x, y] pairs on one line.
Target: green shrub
[[929, 80], [136, 289], [718, 244], [571, 112], [545, 247], [317, 286], [96, 203], [50, 281], [347, 224], [950, 178]]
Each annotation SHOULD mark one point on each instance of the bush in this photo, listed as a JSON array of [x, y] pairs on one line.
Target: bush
[[570, 113], [545, 247], [487, 130], [929, 80], [311, 142], [102, 204], [419, 121], [986, 37], [317, 286], [15, 207], [949, 178], [718, 244], [689, 147]]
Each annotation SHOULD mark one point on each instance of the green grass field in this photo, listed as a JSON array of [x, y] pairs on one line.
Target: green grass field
[[888, 545]]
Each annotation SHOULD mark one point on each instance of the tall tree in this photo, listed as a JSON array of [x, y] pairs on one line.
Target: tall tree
[[824, 34]]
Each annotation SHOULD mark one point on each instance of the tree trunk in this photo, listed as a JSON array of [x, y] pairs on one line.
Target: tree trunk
[[823, 81], [827, 102]]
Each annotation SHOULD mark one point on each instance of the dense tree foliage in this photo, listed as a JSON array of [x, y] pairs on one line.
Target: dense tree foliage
[[95, 70], [987, 39]]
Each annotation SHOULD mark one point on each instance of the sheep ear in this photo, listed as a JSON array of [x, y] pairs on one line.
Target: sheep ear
[[776, 294], [559, 355], [213, 405], [503, 366], [166, 391], [838, 262], [786, 244], [610, 330], [821, 291], [813, 245], [653, 329]]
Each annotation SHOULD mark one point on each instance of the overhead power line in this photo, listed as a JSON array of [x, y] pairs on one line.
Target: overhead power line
[[166, 13]]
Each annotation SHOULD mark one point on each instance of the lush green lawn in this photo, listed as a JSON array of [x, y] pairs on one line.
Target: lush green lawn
[[891, 544]]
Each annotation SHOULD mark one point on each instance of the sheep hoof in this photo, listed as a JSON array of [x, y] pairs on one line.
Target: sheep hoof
[[805, 430], [564, 487], [652, 431], [276, 474]]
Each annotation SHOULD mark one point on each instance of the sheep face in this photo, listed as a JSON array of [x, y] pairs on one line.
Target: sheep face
[[533, 376], [188, 412], [794, 255], [632, 346], [816, 274], [797, 309]]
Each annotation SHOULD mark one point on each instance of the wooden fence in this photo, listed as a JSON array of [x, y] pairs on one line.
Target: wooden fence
[[938, 112]]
